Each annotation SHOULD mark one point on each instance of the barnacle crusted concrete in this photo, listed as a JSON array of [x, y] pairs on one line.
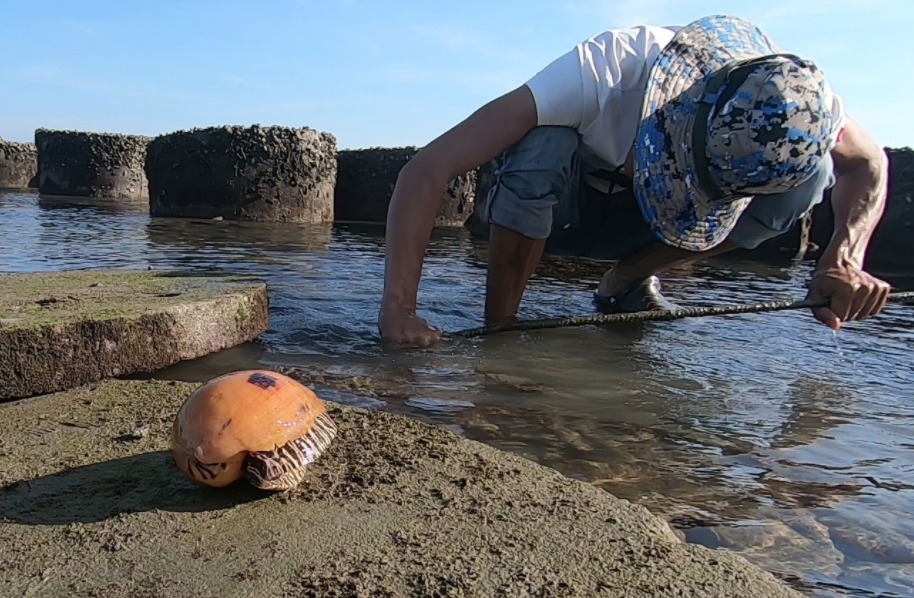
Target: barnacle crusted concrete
[[18, 165], [367, 178], [59, 330], [82, 164], [394, 508], [243, 173]]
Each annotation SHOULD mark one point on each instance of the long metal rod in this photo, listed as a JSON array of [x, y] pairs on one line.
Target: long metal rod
[[657, 315]]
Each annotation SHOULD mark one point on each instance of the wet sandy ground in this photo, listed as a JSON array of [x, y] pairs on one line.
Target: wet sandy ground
[[93, 505]]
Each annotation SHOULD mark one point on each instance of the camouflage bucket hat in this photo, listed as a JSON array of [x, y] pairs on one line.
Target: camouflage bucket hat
[[725, 118]]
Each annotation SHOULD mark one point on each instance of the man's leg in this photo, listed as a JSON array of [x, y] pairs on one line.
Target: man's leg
[[538, 173], [512, 260], [765, 218]]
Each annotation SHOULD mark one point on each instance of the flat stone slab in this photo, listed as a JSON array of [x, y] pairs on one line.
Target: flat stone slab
[[394, 508], [59, 330]]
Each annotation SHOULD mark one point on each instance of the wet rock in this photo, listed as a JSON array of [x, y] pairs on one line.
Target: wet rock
[[59, 330], [775, 539], [394, 508], [18, 165], [276, 174], [91, 164], [367, 178], [879, 579], [878, 538]]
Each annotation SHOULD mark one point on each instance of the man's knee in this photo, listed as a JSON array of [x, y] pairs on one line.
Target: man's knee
[[771, 216], [536, 174]]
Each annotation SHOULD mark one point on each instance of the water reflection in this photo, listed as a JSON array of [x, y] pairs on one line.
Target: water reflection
[[92, 206], [763, 434]]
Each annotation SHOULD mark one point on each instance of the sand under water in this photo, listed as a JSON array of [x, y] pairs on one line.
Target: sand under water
[[92, 504]]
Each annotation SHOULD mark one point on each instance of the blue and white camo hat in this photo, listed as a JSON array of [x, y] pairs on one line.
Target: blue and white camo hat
[[726, 117]]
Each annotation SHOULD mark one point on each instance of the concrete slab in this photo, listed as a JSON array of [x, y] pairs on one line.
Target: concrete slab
[[59, 330], [395, 508]]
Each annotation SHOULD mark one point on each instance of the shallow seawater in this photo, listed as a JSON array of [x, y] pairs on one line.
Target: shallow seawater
[[767, 435]]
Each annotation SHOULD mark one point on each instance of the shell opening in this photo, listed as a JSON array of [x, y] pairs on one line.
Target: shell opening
[[285, 467]]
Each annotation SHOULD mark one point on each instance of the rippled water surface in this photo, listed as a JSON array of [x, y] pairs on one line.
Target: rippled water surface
[[766, 434]]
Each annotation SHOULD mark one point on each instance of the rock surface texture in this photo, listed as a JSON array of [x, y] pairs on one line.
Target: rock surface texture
[[394, 508], [91, 164], [59, 330], [18, 165], [244, 173], [367, 178]]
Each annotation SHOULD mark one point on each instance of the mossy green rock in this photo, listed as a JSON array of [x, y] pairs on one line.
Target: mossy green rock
[[394, 508], [59, 330]]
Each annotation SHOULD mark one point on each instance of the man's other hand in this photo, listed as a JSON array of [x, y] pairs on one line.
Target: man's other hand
[[853, 294]]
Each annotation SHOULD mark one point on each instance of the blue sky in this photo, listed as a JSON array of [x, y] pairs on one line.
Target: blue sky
[[380, 72]]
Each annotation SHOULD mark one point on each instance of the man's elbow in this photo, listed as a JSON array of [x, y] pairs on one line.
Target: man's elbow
[[421, 174]]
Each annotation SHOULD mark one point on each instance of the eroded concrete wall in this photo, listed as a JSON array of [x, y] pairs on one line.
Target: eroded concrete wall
[[243, 173], [18, 165], [85, 164]]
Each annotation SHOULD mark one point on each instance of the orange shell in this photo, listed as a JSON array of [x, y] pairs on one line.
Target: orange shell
[[240, 412]]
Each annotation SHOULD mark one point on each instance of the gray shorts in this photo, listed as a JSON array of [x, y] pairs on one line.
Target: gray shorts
[[539, 193]]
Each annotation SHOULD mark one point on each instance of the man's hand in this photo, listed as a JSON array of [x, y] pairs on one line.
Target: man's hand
[[853, 293], [403, 328]]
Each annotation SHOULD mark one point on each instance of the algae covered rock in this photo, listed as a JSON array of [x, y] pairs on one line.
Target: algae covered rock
[[85, 164], [62, 329], [243, 173], [18, 165]]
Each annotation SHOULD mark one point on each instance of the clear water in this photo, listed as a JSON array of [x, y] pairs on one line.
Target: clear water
[[767, 435]]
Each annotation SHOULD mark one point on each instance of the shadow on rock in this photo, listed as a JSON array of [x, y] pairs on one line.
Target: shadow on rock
[[100, 491]]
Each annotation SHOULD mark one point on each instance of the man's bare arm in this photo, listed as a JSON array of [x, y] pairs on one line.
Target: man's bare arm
[[858, 200], [482, 136]]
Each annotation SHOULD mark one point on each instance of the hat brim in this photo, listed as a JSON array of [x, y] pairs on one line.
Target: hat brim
[[666, 185]]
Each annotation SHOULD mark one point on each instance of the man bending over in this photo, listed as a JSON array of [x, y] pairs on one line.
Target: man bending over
[[694, 140]]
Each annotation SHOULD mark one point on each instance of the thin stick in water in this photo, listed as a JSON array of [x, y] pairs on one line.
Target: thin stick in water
[[655, 315]]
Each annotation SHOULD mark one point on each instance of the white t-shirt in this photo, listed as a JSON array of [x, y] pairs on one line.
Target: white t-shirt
[[598, 86]]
